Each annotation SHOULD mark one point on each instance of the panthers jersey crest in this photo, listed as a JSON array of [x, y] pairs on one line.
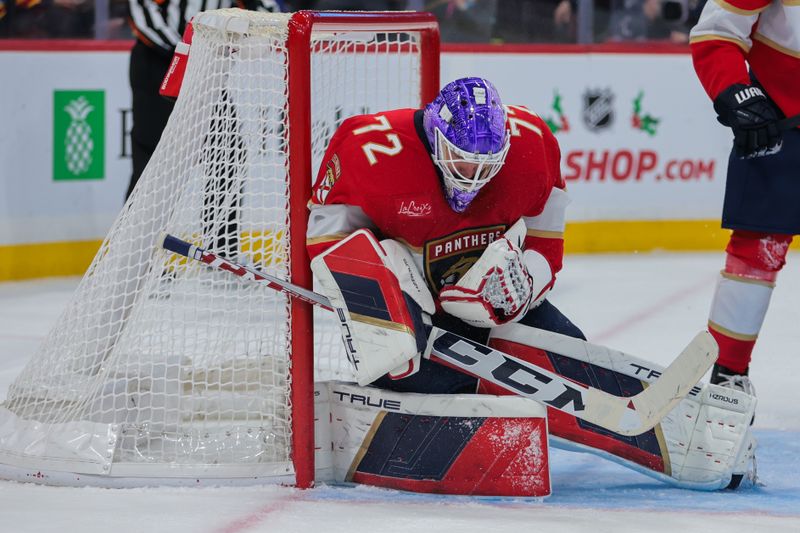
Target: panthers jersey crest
[[448, 258]]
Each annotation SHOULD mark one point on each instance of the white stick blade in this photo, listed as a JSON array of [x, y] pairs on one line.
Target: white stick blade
[[651, 405]]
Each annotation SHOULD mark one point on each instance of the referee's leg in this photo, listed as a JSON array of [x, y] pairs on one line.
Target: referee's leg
[[150, 110]]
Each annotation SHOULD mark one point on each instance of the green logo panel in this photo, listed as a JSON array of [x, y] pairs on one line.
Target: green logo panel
[[78, 135]]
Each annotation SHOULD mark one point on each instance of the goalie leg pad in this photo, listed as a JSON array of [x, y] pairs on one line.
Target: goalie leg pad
[[701, 444], [445, 444]]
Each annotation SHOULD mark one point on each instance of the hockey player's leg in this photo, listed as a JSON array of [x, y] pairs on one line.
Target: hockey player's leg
[[741, 300], [435, 443], [702, 444], [740, 303]]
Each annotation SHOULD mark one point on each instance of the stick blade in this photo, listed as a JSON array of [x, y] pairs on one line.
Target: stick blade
[[651, 405]]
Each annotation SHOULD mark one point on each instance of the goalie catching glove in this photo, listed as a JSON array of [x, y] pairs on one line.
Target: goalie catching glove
[[502, 285], [382, 303]]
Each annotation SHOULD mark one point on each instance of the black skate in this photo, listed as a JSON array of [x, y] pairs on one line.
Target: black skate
[[726, 377]]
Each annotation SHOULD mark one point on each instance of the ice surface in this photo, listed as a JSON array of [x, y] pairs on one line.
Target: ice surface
[[649, 305]]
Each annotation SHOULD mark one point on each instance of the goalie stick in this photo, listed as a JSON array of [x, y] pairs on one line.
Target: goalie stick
[[632, 415]]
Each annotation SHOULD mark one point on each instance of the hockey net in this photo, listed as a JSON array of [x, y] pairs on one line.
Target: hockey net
[[162, 370]]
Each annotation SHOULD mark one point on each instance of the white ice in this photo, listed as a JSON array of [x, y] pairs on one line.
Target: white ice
[[646, 304]]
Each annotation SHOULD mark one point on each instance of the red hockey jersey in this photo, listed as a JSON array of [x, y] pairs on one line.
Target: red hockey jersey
[[378, 173], [765, 33]]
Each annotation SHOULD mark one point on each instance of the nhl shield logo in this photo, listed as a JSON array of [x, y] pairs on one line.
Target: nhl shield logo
[[598, 109]]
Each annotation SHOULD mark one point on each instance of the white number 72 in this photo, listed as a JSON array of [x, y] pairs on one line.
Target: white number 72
[[371, 148]]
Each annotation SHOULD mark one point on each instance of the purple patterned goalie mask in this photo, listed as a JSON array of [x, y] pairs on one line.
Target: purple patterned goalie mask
[[465, 126]]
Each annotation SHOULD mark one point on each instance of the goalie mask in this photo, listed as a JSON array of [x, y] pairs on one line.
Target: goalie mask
[[465, 126]]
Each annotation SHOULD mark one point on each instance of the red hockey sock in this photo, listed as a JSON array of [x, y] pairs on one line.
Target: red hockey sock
[[734, 354]]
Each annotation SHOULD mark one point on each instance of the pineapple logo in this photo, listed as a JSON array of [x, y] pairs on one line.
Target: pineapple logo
[[78, 135], [79, 144]]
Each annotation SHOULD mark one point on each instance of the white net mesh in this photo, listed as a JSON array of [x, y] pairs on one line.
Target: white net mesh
[[161, 367]]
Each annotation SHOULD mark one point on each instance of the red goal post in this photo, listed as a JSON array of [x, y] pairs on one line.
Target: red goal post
[[304, 22]]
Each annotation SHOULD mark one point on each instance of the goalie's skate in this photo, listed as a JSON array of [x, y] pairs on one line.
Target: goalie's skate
[[746, 469], [726, 377]]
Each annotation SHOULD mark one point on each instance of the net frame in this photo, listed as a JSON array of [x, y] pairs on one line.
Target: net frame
[[302, 28]]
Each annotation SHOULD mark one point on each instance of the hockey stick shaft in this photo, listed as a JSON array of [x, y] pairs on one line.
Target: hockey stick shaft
[[631, 415], [189, 250]]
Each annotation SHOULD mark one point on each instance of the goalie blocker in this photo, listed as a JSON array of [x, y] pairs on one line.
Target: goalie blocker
[[379, 297], [465, 444]]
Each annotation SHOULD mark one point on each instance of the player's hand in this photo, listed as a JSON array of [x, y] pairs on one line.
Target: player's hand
[[752, 117]]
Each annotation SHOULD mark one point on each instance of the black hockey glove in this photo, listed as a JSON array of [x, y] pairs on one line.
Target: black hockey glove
[[752, 117]]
